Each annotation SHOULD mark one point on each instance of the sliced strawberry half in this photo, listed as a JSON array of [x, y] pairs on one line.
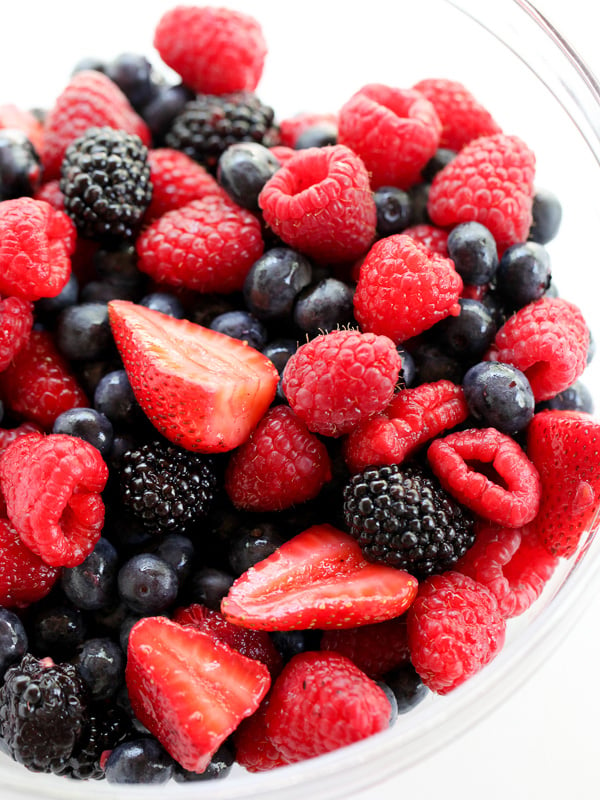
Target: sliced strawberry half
[[317, 579], [190, 690], [203, 390]]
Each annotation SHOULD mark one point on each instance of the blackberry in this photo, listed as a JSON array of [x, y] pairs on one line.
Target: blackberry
[[167, 488], [401, 517], [108, 726], [209, 124], [43, 713], [106, 184]]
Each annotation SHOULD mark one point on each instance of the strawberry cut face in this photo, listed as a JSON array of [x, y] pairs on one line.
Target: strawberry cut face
[[201, 389]]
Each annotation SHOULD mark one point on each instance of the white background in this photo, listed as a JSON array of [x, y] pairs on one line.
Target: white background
[[542, 743]]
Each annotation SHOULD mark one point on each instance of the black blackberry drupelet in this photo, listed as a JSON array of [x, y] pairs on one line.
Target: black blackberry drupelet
[[401, 517], [167, 488], [105, 180], [108, 726], [209, 124], [43, 713]]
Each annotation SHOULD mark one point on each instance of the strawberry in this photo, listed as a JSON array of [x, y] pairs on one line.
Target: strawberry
[[563, 445], [317, 579], [190, 690], [203, 390]]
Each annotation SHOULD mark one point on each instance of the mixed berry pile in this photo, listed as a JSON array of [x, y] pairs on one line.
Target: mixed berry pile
[[292, 418]]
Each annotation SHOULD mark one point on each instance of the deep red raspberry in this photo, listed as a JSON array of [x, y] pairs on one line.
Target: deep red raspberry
[[36, 243], [51, 485], [404, 288], [280, 465], [24, 577], [89, 100], [547, 340], [412, 418], [320, 702], [489, 473], [339, 379], [454, 629], [394, 131], [283, 153], [463, 118], [213, 50], [8, 435], [176, 181], [433, 238], [207, 245], [12, 116], [50, 192], [512, 563], [290, 128], [16, 320], [375, 649], [320, 203], [490, 181], [254, 749], [39, 385]]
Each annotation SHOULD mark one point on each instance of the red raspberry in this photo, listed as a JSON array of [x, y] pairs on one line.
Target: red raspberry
[[320, 203], [490, 181], [8, 435], [433, 238], [463, 118], [254, 749], [413, 417], [16, 320], [404, 288], [89, 100], [50, 192], [24, 577], [39, 385], [12, 116], [36, 243], [375, 649], [547, 340], [290, 128], [454, 629], [394, 131], [280, 465], [52, 487], [207, 245], [213, 50], [512, 563], [283, 153], [320, 702], [338, 379], [462, 462], [176, 181]]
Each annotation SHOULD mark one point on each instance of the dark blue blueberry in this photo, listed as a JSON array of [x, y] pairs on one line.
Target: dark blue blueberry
[[499, 395], [523, 274], [407, 686], [178, 551], [101, 664], [493, 302], [165, 303], [111, 618], [324, 306], [433, 364], [419, 197], [147, 584], [57, 631], [20, 171], [49, 307], [83, 332], [118, 265], [89, 62], [575, 398], [279, 352], [134, 76], [107, 290], [90, 373], [162, 110], [394, 210], [208, 586], [290, 643], [473, 249], [125, 629], [241, 325], [320, 135], [122, 443], [547, 215], [440, 159], [87, 424], [389, 693], [92, 585], [469, 334], [13, 640], [408, 369], [141, 760], [114, 398], [274, 282], [219, 767], [253, 545], [243, 170]]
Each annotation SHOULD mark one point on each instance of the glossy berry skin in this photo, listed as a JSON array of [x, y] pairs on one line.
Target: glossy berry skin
[[13, 639], [114, 398], [92, 585], [574, 398], [243, 326], [274, 281], [88, 424], [324, 306], [524, 274], [162, 110], [499, 396], [252, 546], [473, 249], [441, 158], [147, 584], [243, 170], [469, 334], [101, 664], [165, 303], [178, 551], [394, 210], [139, 761], [132, 72], [57, 631], [83, 332], [20, 170], [320, 135], [407, 686], [219, 767], [208, 586], [547, 216]]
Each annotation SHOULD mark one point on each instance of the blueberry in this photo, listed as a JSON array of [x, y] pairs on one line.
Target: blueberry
[[391, 697], [114, 398], [575, 398], [241, 325], [49, 307], [83, 332], [147, 584], [219, 767], [133, 75], [523, 274], [89, 62], [13, 640], [160, 112], [499, 395], [57, 631], [469, 334], [433, 364], [141, 760], [473, 249], [394, 210], [101, 664], [20, 170], [408, 369], [320, 135], [407, 686], [419, 197], [92, 585], [125, 629], [208, 586], [547, 215], [324, 306], [107, 290], [243, 170], [279, 351], [440, 159], [87, 424], [274, 282], [178, 551], [253, 545], [290, 643], [122, 443], [118, 265], [165, 303]]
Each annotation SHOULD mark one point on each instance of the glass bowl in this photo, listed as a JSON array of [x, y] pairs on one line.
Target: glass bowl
[[319, 54]]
